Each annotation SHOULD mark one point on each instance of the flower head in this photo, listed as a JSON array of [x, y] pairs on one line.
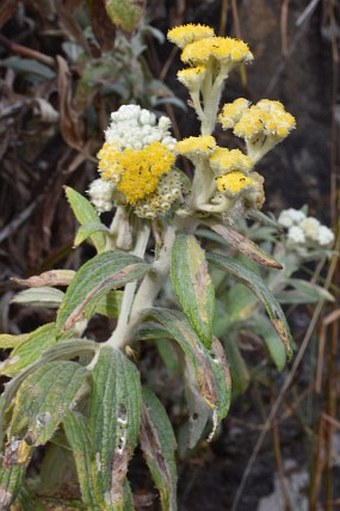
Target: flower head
[[305, 233], [226, 50], [231, 112], [266, 118], [262, 126], [296, 235], [291, 216], [138, 171], [196, 147], [310, 227], [325, 236], [192, 77], [233, 183], [224, 160], [186, 34]]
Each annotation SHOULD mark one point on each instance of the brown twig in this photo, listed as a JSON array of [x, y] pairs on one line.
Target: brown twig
[[23, 51], [317, 467], [223, 17], [283, 27], [238, 33], [279, 464]]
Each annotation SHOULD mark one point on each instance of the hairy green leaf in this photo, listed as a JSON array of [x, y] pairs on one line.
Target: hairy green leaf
[[110, 304], [209, 369], [12, 340], [61, 350], [262, 326], [85, 213], [42, 400], [115, 416], [78, 435], [192, 285], [29, 350], [254, 282], [102, 273], [10, 484], [28, 67], [303, 292], [238, 368], [87, 230], [158, 444], [39, 297]]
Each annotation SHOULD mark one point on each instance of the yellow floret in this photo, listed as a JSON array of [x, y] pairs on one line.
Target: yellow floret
[[107, 165], [233, 183], [192, 77], [251, 124], [185, 34], [223, 49], [196, 146], [231, 112], [267, 118], [224, 160], [137, 172]]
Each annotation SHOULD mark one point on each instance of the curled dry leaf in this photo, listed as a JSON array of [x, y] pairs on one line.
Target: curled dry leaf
[[70, 123], [246, 246], [48, 278]]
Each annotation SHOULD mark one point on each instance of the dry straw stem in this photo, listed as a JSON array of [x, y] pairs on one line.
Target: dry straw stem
[[279, 463]]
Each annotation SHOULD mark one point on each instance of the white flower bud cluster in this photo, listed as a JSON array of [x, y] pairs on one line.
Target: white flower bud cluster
[[101, 194], [134, 127], [305, 231], [291, 216]]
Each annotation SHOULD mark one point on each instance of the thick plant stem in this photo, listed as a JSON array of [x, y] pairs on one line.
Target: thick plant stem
[[150, 286], [153, 281], [130, 289]]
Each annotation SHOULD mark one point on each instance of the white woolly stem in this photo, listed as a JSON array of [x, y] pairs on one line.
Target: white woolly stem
[[150, 286], [130, 290]]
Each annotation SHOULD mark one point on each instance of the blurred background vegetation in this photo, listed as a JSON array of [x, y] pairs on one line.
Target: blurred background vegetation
[[64, 66]]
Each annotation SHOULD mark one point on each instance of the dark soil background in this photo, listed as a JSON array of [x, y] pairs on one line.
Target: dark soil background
[[51, 124]]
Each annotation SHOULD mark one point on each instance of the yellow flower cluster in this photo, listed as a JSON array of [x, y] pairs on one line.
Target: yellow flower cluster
[[223, 49], [231, 112], [196, 147], [107, 164], [186, 34], [136, 172], [234, 182], [200, 44], [266, 118], [237, 185], [192, 77], [210, 58], [224, 160]]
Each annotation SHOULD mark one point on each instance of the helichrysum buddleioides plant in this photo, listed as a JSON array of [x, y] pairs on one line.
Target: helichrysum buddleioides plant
[[152, 274]]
